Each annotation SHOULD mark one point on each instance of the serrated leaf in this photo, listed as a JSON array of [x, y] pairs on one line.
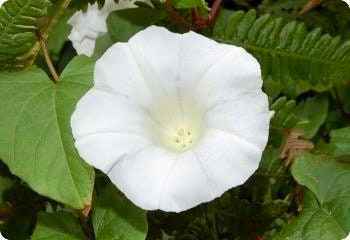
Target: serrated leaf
[[325, 216], [58, 225], [299, 59], [312, 113], [116, 218], [18, 27], [36, 141]]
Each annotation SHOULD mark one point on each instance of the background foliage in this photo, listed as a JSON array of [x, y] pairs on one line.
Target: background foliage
[[301, 190]]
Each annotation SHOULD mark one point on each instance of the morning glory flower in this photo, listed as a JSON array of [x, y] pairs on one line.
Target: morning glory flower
[[90, 25], [174, 120]]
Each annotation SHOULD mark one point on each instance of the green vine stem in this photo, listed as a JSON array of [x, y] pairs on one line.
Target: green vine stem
[[30, 56]]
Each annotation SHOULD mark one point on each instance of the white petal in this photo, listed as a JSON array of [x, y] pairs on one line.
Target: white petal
[[103, 112], [110, 5], [86, 28], [109, 148], [141, 175], [347, 2], [156, 51], [76, 18], [187, 184], [234, 74], [112, 124], [76, 36], [2, 2], [229, 160], [123, 77], [247, 116], [86, 46], [198, 54], [92, 23]]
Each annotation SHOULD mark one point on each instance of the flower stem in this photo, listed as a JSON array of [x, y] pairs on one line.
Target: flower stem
[[47, 58], [210, 20], [29, 57]]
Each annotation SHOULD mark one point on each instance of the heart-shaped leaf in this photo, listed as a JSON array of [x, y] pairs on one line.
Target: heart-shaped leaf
[[35, 135]]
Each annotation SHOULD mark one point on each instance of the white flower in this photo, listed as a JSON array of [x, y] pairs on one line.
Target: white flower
[[173, 120], [347, 2], [2, 2], [89, 25]]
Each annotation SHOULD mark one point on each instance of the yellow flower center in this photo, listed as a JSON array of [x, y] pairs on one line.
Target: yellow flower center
[[178, 127]]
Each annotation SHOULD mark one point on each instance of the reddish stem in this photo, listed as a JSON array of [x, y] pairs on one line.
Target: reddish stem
[[210, 20], [214, 11], [176, 16]]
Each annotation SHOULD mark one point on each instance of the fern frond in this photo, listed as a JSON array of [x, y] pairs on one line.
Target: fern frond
[[287, 52], [283, 118], [19, 22]]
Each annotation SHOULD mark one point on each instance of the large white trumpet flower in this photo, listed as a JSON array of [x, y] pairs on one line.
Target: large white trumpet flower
[[174, 120], [90, 25]]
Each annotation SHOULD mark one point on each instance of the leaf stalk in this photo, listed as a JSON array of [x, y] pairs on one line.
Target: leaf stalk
[[47, 58]]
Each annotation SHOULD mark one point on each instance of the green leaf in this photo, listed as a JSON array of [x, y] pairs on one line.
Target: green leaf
[[313, 223], [189, 4], [312, 113], [340, 138], [116, 218], [282, 121], [19, 20], [297, 58], [36, 141], [325, 216], [123, 24], [59, 225], [102, 44]]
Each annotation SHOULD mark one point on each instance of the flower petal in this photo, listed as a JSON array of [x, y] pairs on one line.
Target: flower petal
[[112, 124], [140, 175], [198, 54], [108, 148], [85, 46], [247, 116], [235, 73], [102, 112], [219, 162], [229, 161], [160, 71], [187, 185], [123, 77]]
